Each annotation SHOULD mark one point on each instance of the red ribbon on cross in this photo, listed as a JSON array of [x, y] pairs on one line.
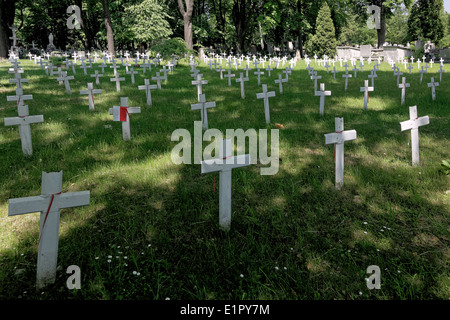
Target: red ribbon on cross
[[46, 214], [123, 113]]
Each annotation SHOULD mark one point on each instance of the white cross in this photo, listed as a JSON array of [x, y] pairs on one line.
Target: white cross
[[266, 95], [225, 163], [259, 73], [366, 90], [18, 80], [346, 76], [310, 69], [413, 124], [132, 73], [403, 86], [398, 74], [338, 138], [90, 92], [203, 106], [148, 87], [280, 81], [268, 69], [164, 70], [64, 77], [96, 75], [247, 69], [199, 83], [48, 204], [19, 97], [84, 67], [117, 80], [355, 69], [410, 68], [322, 93], [372, 76], [334, 72], [114, 67], [433, 86], [422, 71], [23, 121], [242, 80], [441, 71], [121, 113], [287, 72], [315, 77], [229, 75], [221, 72]]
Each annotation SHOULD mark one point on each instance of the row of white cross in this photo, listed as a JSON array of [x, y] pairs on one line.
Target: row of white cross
[[52, 199]]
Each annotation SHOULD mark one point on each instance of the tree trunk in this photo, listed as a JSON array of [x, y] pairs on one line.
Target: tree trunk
[[109, 30], [7, 13], [187, 19], [381, 33]]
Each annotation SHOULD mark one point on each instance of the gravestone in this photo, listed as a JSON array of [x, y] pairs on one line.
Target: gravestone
[[66, 80], [413, 124], [280, 82], [199, 83], [403, 86], [90, 92], [225, 163], [148, 87], [117, 80], [203, 106], [266, 95], [338, 138], [23, 121], [242, 80], [433, 86], [366, 90], [49, 204], [322, 94], [121, 113]]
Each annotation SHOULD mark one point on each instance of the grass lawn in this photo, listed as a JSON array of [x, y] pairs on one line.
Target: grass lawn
[[151, 230]]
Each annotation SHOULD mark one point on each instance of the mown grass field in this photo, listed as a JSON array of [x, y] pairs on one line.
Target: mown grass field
[[151, 230]]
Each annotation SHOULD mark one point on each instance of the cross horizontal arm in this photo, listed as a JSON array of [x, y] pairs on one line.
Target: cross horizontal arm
[[213, 165]]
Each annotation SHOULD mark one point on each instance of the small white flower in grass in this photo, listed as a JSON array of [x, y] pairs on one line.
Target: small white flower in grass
[[360, 293], [109, 257], [167, 298], [126, 264], [96, 258], [365, 232], [109, 261], [365, 222], [149, 245], [382, 230], [399, 271], [284, 268], [118, 247], [241, 275], [276, 268], [134, 272], [125, 257]]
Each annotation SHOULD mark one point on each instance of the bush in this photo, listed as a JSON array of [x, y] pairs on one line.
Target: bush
[[167, 48], [324, 41]]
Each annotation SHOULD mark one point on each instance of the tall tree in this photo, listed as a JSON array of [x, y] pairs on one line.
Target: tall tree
[[425, 20], [7, 13], [108, 26], [243, 14], [187, 19], [324, 41]]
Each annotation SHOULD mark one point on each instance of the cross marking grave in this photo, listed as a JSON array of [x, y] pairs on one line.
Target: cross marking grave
[[338, 138], [203, 106], [90, 92], [413, 124], [322, 93], [121, 113], [49, 204], [266, 95], [225, 163]]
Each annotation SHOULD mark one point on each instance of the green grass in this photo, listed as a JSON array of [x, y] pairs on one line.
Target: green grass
[[293, 236]]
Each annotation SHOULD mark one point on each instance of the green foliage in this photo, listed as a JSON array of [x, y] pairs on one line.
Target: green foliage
[[168, 47], [445, 164], [397, 27], [324, 41], [356, 32], [147, 21], [425, 21]]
